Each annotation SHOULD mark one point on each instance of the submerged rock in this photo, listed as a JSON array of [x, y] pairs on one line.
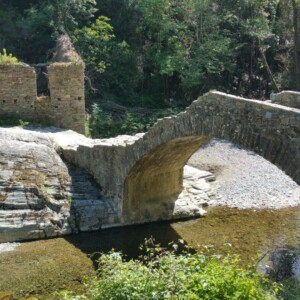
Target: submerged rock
[[281, 264]]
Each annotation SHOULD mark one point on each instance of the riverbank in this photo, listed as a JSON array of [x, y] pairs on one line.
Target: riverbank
[[7, 247]]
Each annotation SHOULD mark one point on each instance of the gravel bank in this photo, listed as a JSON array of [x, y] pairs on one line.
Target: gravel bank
[[245, 179]]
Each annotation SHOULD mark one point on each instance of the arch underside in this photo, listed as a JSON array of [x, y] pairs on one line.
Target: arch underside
[[155, 182]]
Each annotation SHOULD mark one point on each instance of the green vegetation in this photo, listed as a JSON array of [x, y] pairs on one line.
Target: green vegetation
[[7, 58], [162, 274], [8, 120], [103, 124], [151, 53], [291, 289]]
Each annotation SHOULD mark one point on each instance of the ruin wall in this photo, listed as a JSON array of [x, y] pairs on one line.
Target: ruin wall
[[18, 89], [66, 84], [65, 107]]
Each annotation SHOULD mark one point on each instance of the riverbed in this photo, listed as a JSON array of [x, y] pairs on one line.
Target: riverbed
[[40, 268]]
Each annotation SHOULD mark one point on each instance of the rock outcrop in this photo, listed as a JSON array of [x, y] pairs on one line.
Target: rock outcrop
[[42, 196]]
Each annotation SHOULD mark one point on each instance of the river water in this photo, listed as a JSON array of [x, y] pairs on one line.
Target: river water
[[42, 267]]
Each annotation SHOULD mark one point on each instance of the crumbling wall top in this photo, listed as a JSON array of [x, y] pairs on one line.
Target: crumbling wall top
[[65, 52]]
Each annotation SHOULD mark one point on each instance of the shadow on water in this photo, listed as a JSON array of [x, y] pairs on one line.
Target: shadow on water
[[281, 264], [126, 240]]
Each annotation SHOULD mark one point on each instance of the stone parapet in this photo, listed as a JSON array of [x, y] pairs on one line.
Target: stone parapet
[[18, 90], [287, 98]]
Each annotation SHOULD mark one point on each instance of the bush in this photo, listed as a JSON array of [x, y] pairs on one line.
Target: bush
[[7, 58], [166, 275], [291, 288], [102, 124]]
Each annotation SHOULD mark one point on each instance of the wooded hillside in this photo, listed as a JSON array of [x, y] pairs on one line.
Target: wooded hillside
[[163, 53]]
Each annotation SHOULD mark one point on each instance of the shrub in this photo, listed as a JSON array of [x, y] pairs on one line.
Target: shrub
[[291, 288], [102, 124], [166, 275], [7, 58]]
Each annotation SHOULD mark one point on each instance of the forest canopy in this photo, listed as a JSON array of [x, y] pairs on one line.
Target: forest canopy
[[161, 53]]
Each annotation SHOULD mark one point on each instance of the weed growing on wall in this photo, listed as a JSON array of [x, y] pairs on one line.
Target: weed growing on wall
[[7, 58]]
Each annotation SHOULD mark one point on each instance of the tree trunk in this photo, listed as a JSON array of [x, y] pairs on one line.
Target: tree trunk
[[296, 43], [266, 65]]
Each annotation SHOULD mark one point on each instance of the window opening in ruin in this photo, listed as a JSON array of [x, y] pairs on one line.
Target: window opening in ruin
[[42, 80]]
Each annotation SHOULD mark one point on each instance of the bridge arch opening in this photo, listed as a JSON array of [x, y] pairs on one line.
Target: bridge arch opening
[[156, 180]]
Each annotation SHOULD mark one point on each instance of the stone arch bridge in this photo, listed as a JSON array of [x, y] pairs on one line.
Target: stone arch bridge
[[142, 175]]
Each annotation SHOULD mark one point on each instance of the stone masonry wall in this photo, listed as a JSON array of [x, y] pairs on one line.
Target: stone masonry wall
[[287, 98], [64, 108], [17, 89], [66, 84]]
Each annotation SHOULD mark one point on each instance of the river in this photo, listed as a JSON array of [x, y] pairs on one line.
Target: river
[[39, 268]]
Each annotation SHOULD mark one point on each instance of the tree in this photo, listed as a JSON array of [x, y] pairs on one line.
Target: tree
[[296, 7], [107, 60], [29, 28]]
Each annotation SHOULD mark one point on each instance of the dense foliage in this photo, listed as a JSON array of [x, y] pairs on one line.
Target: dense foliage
[[103, 124], [165, 275], [163, 48]]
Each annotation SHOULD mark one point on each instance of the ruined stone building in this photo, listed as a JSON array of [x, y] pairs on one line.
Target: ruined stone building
[[64, 103]]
